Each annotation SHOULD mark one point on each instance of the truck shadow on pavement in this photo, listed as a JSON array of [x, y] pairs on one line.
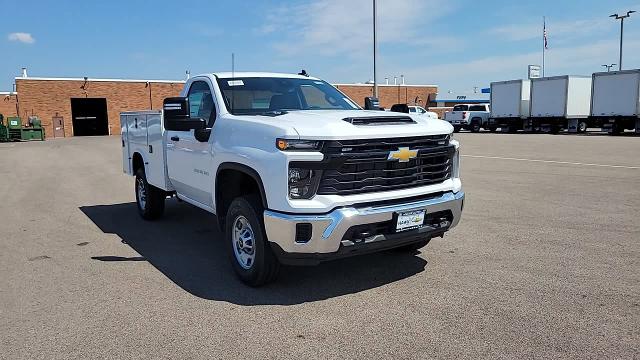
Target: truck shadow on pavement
[[187, 247]]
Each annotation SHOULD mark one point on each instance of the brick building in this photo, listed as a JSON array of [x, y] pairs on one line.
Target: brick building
[[391, 94], [7, 103], [79, 106], [88, 107]]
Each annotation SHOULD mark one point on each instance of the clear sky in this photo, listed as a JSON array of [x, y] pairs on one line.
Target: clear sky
[[457, 44]]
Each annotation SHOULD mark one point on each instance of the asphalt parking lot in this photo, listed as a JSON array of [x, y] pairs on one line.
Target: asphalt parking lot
[[545, 264]]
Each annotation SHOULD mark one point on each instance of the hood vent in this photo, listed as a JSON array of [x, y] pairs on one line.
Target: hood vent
[[380, 120]]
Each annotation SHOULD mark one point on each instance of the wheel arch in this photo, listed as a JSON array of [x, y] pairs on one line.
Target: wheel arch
[[224, 195], [137, 162]]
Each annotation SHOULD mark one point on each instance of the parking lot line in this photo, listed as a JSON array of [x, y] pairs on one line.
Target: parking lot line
[[552, 161]]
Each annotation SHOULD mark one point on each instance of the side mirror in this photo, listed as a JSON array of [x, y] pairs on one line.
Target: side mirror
[[177, 115]]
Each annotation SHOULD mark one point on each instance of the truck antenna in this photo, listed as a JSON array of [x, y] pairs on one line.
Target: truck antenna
[[233, 75]]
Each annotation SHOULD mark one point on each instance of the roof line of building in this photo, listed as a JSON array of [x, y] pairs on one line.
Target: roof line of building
[[98, 80], [8, 93], [385, 85]]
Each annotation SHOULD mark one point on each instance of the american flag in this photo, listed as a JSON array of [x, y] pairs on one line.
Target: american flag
[[544, 34]]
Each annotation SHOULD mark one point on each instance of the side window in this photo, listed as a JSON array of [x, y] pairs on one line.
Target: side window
[[412, 109], [201, 102], [421, 110]]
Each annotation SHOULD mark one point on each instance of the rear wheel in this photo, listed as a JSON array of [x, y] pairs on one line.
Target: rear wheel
[[456, 129], [249, 251], [582, 126], [475, 125], [150, 199]]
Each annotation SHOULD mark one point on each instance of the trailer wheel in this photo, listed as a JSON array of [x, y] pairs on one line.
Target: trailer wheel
[[582, 126], [249, 251], [150, 199]]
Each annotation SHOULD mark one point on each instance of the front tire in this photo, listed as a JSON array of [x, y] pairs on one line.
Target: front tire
[[249, 251], [150, 199]]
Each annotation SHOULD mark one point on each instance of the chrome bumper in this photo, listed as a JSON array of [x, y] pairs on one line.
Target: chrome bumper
[[329, 229]]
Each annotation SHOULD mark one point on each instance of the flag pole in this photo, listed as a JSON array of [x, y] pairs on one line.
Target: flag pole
[[544, 41]]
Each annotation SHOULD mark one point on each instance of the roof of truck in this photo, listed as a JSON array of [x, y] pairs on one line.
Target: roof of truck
[[245, 74]]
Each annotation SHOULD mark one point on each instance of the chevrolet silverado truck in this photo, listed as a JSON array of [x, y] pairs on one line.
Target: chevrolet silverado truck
[[470, 117], [295, 171]]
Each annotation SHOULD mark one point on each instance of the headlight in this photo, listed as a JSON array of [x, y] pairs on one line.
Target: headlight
[[455, 171], [303, 183], [300, 145]]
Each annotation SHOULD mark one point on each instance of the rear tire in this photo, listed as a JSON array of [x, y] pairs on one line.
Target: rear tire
[[475, 125], [456, 129], [149, 199], [249, 251], [582, 127]]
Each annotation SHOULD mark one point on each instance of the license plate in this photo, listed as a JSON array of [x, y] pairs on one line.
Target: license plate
[[408, 220]]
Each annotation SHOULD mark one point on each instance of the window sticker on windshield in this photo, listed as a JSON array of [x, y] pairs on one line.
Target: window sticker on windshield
[[235, 82], [350, 103]]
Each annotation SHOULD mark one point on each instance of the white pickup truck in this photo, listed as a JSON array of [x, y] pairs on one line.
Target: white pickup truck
[[296, 172], [470, 117]]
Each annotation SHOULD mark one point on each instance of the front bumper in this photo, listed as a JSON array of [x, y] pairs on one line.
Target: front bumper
[[332, 233]]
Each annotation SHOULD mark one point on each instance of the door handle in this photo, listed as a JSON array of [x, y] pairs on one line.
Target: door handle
[[175, 138]]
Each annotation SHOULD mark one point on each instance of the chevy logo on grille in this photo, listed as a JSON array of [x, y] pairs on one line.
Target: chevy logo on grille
[[403, 154]]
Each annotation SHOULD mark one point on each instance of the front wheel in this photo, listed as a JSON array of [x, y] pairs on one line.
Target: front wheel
[[150, 199], [248, 248]]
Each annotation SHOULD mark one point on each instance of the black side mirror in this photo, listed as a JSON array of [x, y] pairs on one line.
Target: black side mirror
[[177, 115]]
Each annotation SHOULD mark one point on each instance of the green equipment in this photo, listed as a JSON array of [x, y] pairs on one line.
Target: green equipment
[[16, 132], [33, 131], [4, 133], [14, 128]]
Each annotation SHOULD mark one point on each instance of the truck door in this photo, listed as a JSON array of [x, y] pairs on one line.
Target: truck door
[[189, 161]]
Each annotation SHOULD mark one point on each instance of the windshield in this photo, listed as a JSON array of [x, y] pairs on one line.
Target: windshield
[[256, 96]]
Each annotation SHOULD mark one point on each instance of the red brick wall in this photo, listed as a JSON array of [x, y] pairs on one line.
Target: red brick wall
[[46, 98], [7, 105], [391, 94]]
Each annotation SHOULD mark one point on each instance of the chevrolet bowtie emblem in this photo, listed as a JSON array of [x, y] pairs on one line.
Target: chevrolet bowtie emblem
[[403, 154]]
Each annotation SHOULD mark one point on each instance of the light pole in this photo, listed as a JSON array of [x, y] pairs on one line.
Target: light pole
[[609, 67], [621, 18], [375, 50]]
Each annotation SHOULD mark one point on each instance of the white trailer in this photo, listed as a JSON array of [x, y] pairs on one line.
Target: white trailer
[[615, 100], [509, 104], [560, 102]]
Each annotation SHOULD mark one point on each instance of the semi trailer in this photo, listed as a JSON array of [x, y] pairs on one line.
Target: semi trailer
[[560, 102], [509, 104], [615, 100]]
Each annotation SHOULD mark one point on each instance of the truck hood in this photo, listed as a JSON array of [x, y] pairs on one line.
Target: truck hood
[[329, 125]]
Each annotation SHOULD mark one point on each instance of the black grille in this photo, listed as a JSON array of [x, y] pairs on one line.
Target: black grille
[[361, 166], [380, 120]]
